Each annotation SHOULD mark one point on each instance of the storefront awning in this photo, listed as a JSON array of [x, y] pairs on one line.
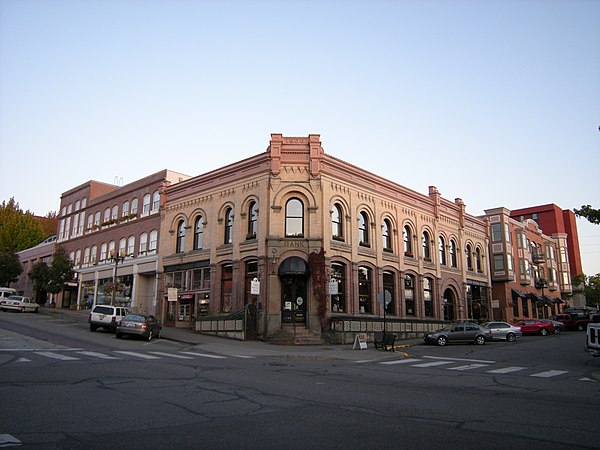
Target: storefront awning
[[537, 298], [516, 293], [293, 266]]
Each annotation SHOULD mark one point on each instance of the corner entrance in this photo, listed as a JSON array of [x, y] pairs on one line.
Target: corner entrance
[[293, 274]]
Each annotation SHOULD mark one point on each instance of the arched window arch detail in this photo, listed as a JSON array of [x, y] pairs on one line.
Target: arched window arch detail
[[337, 225], [407, 237], [426, 239], [363, 229], [252, 220], [453, 256], [198, 232], [386, 234], [180, 243], [228, 231], [442, 250], [294, 218]]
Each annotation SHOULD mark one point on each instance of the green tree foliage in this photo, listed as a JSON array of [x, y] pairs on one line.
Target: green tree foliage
[[61, 270], [10, 268], [589, 213], [18, 230], [40, 275], [592, 290]]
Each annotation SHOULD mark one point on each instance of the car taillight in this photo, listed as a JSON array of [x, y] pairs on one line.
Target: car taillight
[[143, 325]]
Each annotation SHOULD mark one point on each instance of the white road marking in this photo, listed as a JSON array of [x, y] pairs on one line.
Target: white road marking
[[507, 369], [7, 440], [549, 373], [21, 360], [138, 355], [401, 361], [483, 361], [244, 356], [433, 364], [363, 361], [204, 355], [98, 355], [57, 356], [468, 367], [171, 355]]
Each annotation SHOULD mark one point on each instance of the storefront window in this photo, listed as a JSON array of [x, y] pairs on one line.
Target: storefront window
[[338, 274], [389, 285], [409, 295], [365, 281]]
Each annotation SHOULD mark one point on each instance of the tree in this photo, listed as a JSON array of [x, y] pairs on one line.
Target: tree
[[40, 275], [592, 290], [18, 230], [61, 270], [589, 213], [10, 267]]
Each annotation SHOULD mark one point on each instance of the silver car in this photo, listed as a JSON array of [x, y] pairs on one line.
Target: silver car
[[503, 331], [19, 303]]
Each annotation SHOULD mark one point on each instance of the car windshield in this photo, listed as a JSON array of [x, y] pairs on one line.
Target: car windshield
[[134, 318]]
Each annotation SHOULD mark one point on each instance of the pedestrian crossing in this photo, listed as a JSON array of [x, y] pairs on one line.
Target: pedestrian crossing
[[75, 354], [464, 365]]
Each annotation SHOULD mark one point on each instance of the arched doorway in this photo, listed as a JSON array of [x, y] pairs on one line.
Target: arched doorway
[[293, 273], [449, 300]]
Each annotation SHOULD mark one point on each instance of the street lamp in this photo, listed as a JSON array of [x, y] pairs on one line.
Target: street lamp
[[117, 258]]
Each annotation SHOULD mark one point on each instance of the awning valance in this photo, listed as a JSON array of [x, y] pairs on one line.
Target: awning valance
[[293, 265]]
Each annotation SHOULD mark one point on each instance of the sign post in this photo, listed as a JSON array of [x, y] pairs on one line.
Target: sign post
[[385, 299]]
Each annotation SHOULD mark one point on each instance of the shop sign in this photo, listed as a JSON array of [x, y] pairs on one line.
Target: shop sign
[[172, 294]]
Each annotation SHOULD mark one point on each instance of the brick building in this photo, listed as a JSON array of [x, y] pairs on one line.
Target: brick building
[[267, 218]]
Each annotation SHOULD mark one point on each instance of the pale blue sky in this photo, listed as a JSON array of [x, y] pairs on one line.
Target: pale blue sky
[[495, 102]]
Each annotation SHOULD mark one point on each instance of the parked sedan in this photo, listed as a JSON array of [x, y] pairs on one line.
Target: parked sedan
[[142, 325], [558, 326], [459, 332], [503, 330], [19, 303], [535, 326]]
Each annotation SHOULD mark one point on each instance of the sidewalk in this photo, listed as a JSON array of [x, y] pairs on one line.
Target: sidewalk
[[222, 345]]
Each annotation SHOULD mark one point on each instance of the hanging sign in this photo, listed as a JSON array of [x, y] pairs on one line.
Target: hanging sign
[[333, 288], [360, 342], [172, 294], [255, 287]]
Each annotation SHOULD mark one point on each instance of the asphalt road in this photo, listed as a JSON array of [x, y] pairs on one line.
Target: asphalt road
[[63, 387]]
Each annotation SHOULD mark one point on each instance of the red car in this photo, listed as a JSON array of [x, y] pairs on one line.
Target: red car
[[535, 326]]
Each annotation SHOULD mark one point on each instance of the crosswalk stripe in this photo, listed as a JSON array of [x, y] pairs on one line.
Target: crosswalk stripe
[[244, 356], [549, 373], [138, 355], [433, 364], [400, 361], [507, 369], [57, 356], [468, 367], [171, 355], [98, 355], [204, 355]]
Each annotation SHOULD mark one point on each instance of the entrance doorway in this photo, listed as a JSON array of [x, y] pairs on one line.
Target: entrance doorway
[[449, 301], [293, 299]]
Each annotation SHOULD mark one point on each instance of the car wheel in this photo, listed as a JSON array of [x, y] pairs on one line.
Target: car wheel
[[544, 332], [36, 309], [150, 335], [442, 340], [93, 327], [480, 340], [511, 337], [22, 309], [557, 331]]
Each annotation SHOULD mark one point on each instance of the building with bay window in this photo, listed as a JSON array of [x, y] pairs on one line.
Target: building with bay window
[[318, 247]]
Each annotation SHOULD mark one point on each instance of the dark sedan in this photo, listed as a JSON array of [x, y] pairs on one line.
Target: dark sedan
[[142, 325], [459, 332]]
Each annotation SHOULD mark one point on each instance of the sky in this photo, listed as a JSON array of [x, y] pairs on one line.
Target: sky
[[494, 102]]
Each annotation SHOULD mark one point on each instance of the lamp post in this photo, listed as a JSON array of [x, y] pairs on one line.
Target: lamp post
[[117, 258]]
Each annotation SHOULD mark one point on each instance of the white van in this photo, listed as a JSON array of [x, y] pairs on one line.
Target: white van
[[7, 292]]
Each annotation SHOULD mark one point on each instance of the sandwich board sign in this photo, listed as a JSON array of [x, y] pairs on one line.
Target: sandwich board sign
[[360, 341]]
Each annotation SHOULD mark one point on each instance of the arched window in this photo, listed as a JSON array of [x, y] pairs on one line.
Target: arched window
[[442, 246], [143, 244], [226, 287], [122, 246], [407, 236], [125, 209], [365, 282], [97, 218], [86, 255], [468, 252], [103, 251], [252, 220], [180, 244], [111, 249], [134, 206], [115, 212], [198, 232], [453, 259], [153, 241], [426, 246], [337, 229], [155, 201], [78, 257], [389, 286], [93, 254], [338, 274], [409, 295], [228, 235], [131, 245], [428, 296], [106, 215], [363, 229], [478, 260], [146, 205], [386, 230], [294, 218]]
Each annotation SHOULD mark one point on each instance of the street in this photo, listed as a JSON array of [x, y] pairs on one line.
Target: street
[[64, 387]]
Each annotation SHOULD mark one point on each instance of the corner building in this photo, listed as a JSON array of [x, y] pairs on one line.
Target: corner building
[[329, 243]]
